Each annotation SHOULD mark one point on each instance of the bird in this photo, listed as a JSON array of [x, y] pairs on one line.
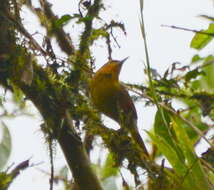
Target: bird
[[110, 97]]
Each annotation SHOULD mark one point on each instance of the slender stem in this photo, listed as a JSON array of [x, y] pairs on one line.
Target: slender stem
[[189, 30], [154, 95]]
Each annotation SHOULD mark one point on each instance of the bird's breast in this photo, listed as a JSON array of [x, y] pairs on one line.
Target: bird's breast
[[104, 97]]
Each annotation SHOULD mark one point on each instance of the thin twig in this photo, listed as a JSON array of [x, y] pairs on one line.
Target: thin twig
[[189, 30], [153, 91], [51, 180], [22, 30]]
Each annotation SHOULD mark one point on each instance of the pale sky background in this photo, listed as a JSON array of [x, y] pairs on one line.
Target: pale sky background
[[166, 46]]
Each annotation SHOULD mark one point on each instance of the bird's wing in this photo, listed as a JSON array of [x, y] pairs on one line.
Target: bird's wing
[[125, 102]]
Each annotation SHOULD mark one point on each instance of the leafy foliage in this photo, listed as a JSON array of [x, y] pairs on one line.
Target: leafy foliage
[[59, 88], [200, 40], [177, 131], [5, 145]]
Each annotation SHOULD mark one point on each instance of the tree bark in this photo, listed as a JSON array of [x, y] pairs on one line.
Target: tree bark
[[46, 101]]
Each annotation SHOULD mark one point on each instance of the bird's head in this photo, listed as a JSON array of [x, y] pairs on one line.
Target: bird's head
[[111, 69]]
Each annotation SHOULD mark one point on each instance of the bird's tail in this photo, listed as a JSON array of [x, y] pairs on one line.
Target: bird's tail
[[130, 123], [137, 138]]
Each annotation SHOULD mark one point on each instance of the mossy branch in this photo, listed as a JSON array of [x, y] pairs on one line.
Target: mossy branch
[[47, 19], [48, 99]]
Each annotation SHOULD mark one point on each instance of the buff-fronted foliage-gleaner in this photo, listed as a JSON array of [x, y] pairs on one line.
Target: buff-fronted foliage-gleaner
[[111, 98]]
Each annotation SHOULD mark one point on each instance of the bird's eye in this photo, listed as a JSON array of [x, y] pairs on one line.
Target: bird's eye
[[108, 75]]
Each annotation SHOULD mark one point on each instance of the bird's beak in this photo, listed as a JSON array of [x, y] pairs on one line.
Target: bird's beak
[[122, 61]]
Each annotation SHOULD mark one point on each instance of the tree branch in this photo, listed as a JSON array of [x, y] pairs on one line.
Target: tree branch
[[48, 99]]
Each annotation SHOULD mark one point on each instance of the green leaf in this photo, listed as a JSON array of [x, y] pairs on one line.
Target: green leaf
[[163, 130], [184, 173], [62, 21], [196, 58], [18, 96], [199, 41], [96, 33], [5, 180], [178, 148], [85, 19], [194, 116], [109, 168], [195, 174], [193, 74], [5, 145], [170, 153], [206, 81]]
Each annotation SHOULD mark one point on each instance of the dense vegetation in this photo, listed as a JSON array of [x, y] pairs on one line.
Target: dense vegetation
[[59, 89]]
